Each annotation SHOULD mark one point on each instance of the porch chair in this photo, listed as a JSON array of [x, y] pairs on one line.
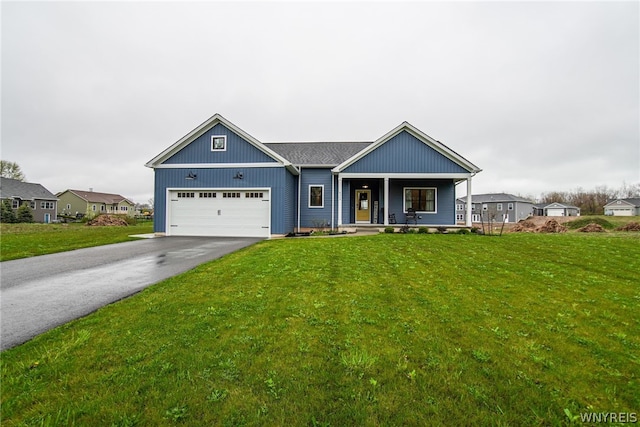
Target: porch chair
[[392, 218], [411, 216]]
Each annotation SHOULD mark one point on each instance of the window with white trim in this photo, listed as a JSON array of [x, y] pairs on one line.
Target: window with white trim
[[459, 207], [459, 217], [510, 206], [485, 207], [316, 196], [93, 208], [218, 143], [15, 203], [499, 206], [46, 205], [420, 199]]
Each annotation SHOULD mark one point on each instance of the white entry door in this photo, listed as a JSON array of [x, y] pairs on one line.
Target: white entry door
[[213, 212]]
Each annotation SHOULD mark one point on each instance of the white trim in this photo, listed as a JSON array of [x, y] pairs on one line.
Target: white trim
[[309, 196], [224, 138], [201, 129], [423, 137], [435, 199], [406, 175], [218, 165]]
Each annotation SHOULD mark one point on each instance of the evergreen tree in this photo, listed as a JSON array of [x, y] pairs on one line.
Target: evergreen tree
[[6, 212], [24, 214]]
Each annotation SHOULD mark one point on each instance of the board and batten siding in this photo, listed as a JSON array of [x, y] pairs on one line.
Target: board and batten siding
[[404, 153], [313, 217], [223, 178], [237, 150]]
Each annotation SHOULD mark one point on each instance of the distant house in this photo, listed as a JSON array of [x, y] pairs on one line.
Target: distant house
[[92, 203], [555, 209], [495, 206], [623, 207], [43, 203]]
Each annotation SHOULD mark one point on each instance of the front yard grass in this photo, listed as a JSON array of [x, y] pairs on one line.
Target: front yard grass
[[382, 330], [27, 240]]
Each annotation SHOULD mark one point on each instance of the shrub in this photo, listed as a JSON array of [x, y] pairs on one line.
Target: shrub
[[388, 230], [24, 214], [7, 215], [441, 229], [423, 230], [463, 231]]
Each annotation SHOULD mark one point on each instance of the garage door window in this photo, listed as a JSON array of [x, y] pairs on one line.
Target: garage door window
[[186, 195], [231, 195], [207, 195], [254, 195]]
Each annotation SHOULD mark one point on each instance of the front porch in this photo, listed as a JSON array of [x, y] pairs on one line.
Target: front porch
[[381, 200]]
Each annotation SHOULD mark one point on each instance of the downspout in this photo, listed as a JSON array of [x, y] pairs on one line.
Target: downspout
[[333, 197]]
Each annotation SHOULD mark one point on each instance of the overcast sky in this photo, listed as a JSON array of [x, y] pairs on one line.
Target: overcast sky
[[542, 96]]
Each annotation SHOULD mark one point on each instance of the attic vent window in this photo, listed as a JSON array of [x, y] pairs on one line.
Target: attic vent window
[[218, 143]]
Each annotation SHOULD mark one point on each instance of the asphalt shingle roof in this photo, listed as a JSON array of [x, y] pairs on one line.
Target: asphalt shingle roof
[[12, 188], [317, 153], [95, 197], [496, 197]]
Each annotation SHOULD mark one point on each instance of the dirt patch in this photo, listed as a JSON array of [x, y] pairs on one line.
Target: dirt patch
[[551, 226], [526, 226], [107, 220], [632, 226], [591, 228]]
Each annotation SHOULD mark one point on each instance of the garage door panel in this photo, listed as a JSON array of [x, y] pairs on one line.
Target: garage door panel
[[220, 216]]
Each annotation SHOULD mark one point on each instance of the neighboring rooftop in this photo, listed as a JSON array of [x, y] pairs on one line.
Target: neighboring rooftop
[[95, 197], [633, 201], [496, 197], [317, 153], [13, 188]]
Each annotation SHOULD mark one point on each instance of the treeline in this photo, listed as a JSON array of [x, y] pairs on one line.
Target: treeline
[[591, 202]]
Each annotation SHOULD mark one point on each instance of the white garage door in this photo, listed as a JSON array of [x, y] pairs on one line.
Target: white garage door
[[555, 212], [228, 212]]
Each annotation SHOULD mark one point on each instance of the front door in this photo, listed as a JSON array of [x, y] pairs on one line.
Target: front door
[[363, 206]]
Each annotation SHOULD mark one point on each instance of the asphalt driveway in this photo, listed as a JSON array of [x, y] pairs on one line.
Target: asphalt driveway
[[40, 293]]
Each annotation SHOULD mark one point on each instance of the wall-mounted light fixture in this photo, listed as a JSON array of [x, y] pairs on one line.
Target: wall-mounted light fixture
[[191, 176], [239, 175], [365, 186]]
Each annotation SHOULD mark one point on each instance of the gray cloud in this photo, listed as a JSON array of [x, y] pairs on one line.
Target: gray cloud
[[543, 96]]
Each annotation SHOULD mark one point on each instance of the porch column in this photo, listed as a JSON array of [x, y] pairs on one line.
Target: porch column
[[469, 204], [339, 200], [386, 201]]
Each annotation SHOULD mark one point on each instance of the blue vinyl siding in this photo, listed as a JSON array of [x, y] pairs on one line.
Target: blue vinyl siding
[[445, 201], [277, 179], [238, 150], [310, 217], [404, 153]]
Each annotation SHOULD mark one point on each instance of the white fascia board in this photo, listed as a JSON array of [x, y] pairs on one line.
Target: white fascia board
[[218, 165], [202, 128], [405, 175], [426, 139]]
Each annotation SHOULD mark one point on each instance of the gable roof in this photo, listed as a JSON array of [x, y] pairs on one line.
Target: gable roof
[[201, 129], [13, 188], [421, 136], [555, 205], [632, 201], [495, 197], [95, 197], [327, 154]]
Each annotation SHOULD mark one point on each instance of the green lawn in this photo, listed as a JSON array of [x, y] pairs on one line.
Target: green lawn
[[27, 240], [382, 330]]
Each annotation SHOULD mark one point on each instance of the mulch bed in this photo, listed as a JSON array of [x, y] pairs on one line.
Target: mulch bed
[[550, 226], [107, 220], [632, 226], [591, 228]]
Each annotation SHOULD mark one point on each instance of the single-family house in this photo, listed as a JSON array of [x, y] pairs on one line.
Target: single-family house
[[42, 202], [623, 207], [497, 207], [555, 209], [91, 203], [220, 181]]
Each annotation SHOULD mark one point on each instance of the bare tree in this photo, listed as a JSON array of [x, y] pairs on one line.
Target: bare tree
[[11, 170]]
